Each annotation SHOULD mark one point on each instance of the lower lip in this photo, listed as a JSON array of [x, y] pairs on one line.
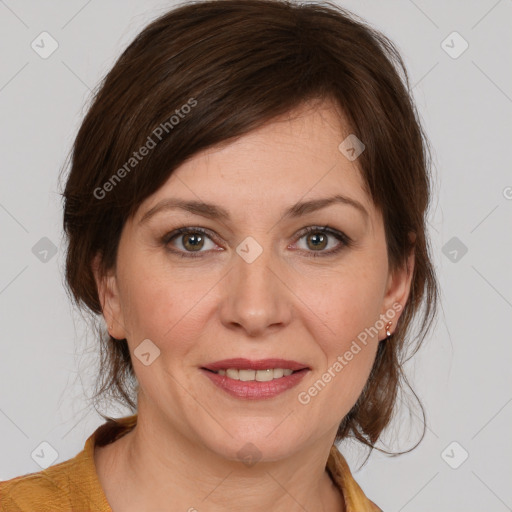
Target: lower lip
[[255, 390]]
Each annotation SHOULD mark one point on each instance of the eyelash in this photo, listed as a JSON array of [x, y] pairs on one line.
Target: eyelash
[[341, 237]]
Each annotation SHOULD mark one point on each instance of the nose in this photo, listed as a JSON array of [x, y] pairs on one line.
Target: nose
[[256, 298]]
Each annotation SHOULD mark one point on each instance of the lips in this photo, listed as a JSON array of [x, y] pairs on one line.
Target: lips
[[255, 389], [260, 364]]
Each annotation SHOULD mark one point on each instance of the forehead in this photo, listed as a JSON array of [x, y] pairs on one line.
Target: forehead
[[292, 158]]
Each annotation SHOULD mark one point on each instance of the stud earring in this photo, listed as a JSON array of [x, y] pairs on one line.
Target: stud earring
[[388, 326]]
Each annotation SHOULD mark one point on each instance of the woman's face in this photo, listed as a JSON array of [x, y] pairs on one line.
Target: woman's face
[[254, 285]]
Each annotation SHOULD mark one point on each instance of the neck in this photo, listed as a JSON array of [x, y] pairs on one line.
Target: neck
[[158, 465]]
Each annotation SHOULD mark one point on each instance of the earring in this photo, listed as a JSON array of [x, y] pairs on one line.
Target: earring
[[388, 326]]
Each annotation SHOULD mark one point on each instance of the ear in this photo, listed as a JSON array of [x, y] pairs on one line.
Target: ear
[[398, 288], [108, 294]]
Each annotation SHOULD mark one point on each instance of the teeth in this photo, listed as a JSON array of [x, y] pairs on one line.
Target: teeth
[[279, 372], [257, 375], [232, 374]]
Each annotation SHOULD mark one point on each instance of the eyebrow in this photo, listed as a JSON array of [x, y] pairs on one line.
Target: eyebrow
[[213, 211]]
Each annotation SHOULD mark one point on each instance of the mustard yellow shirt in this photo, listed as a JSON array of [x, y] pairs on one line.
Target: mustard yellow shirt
[[73, 485]]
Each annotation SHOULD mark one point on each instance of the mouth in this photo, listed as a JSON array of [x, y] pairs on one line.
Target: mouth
[[247, 375], [264, 379], [263, 370]]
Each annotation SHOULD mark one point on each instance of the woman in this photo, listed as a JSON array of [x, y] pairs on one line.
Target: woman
[[246, 208]]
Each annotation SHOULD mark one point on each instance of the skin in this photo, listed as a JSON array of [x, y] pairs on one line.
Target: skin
[[284, 304]]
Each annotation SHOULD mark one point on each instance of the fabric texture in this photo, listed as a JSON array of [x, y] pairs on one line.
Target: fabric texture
[[73, 485]]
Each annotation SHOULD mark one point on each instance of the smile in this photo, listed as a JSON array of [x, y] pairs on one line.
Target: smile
[[255, 375], [266, 386]]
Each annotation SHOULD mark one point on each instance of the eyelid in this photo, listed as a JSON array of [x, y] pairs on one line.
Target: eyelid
[[327, 230], [175, 233], [345, 241]]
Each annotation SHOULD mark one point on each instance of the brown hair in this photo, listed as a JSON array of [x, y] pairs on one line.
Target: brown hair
[[238, 64]]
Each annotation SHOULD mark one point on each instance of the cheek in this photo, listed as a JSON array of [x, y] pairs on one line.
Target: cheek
[[344, 303], [346, 306], [349, 347], [163, 306]]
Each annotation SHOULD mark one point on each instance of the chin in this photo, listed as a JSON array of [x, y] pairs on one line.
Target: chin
[[253, 446]]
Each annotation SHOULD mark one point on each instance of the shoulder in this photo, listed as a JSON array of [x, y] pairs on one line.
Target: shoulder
[[44, 490], [69, 485]]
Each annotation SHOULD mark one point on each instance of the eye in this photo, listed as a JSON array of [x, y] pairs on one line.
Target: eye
[[317, 239], [191, 240]]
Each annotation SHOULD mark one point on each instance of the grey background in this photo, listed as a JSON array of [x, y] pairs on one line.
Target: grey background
[[462, 374]]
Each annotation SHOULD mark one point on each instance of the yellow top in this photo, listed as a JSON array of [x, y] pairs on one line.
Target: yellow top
[[73, 485]]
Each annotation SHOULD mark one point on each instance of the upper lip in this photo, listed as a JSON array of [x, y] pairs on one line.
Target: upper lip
[[260, 364]]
